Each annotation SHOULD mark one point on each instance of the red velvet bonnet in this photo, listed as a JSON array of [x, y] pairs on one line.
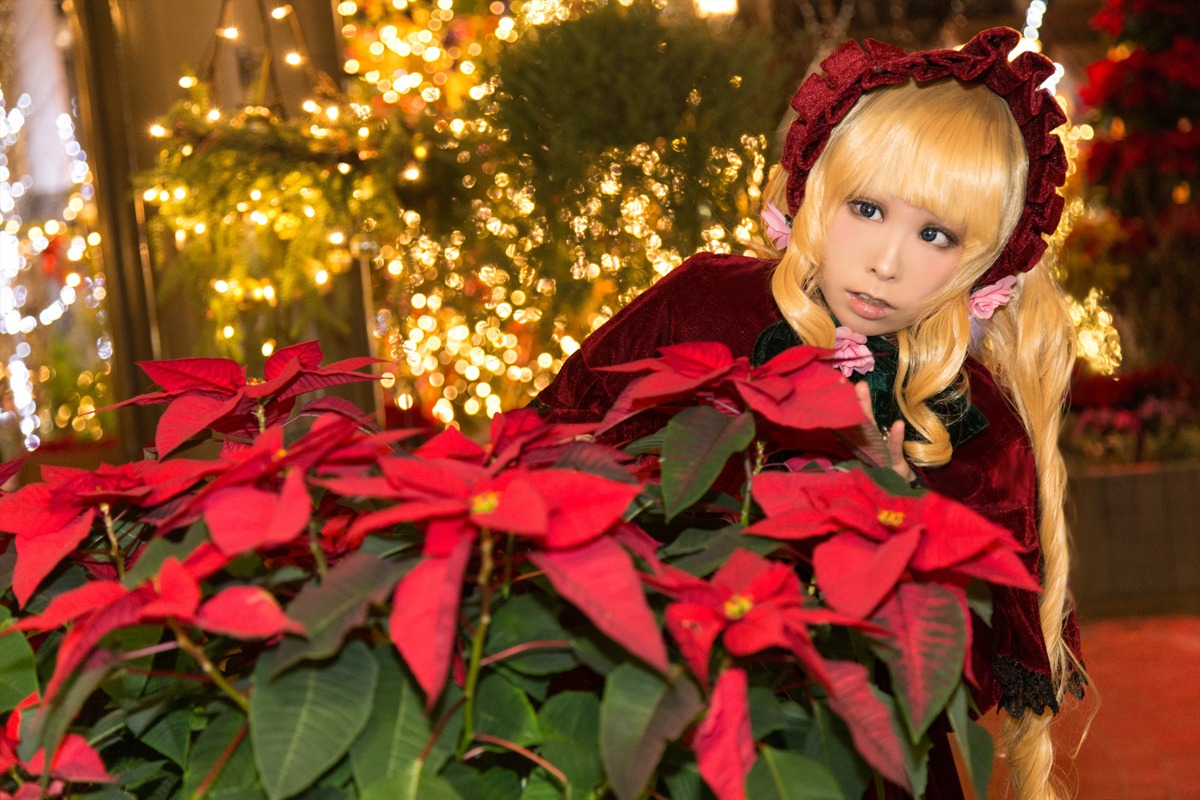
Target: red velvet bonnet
[[851, 70]]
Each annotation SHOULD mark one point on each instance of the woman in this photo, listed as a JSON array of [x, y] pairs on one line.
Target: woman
[[917, 188]]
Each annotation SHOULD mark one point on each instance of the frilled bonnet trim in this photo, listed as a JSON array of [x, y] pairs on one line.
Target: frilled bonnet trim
[[851, 70]]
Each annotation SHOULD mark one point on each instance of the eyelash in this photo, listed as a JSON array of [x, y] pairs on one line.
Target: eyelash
[[951, 240]]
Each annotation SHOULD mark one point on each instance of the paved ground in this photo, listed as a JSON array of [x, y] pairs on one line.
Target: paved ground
[[1143, 742]]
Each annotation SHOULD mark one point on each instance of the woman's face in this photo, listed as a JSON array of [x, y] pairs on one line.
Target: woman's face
[[883, 259]]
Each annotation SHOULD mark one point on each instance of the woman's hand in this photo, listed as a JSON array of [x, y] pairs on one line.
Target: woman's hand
[[893, 438]]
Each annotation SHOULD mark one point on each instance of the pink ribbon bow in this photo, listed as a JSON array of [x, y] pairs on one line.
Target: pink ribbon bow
[[850, 353], [779, 227], [986, 300]]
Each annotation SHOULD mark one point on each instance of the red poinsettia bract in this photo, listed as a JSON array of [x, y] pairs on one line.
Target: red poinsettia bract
[[877, 538], [74, 759], [795, 390], [49, 519], [215, 393], [563, 513], [755, 604], [97, 608], [723, 741]]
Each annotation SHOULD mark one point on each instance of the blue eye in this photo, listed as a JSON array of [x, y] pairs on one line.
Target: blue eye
[[866, 209], [937, 237]]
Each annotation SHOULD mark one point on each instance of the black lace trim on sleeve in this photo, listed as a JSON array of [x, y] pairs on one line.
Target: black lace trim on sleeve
[[1022, 688]]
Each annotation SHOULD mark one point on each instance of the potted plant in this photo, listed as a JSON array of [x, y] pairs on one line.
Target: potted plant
[[336, 611]]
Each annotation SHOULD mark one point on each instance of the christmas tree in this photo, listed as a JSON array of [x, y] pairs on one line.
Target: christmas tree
[[507, 176]]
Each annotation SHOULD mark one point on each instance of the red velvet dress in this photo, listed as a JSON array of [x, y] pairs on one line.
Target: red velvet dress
[[728, 299]]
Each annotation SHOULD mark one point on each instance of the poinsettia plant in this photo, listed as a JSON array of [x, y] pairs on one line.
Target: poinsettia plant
[[328, 610]]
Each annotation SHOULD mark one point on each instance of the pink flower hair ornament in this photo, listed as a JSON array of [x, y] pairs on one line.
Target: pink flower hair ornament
[[778, 226], [986, 299]]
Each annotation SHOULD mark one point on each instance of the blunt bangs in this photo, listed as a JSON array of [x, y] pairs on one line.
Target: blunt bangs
[[944, 146]]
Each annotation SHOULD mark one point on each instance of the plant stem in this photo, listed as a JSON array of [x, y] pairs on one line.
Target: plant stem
[[486, 565], [532, 756], [115, 548], [509, 546], [153, 650], [197, 652], [314, 543], [260, 414], [523, 647], [752, 469], [213, 773]]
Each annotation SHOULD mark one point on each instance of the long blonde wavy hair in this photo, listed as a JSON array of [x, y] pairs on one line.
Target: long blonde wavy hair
[[955, 150]]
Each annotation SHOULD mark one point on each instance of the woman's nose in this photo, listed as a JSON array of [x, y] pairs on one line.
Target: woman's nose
[[885, 260]]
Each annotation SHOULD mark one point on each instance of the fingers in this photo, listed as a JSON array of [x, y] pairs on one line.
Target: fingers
[[895, 445], [863, 392], [895, 434]]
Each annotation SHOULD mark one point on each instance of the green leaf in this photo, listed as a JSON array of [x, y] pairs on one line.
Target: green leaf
[[651, 443], [412, 784], [397, 731], [107, 793], [890, 480], [386, 545], [47, 727], [535, 688], [495, 783], [784, 775], [714, 554], [123, 684], [570, 723], [684, 782], [699, 441], [18, 672], [302, 722], [502, 710], [171, 734], [979, 600], [766, 712], [974, 741], [525, 618], [542, 786], [211, 750], [331, 609], [829, 743], [163, 547], [640, 713]]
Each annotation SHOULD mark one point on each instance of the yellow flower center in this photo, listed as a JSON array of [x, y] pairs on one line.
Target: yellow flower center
[[891, 518], [738, 606], [485, 503]]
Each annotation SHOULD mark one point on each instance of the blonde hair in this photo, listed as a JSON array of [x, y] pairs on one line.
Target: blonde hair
[[955, 150]]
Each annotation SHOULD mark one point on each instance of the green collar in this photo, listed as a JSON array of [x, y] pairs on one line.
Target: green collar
[[961, 419]]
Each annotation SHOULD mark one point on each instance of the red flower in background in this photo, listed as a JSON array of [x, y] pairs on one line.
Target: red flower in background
[[49, 519], [214, 392], [796, 390]]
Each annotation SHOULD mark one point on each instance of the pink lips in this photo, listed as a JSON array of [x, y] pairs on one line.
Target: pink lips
[[868, 307]]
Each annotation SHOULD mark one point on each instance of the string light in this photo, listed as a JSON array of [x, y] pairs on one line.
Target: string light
[[21, 242], [469, 315]]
